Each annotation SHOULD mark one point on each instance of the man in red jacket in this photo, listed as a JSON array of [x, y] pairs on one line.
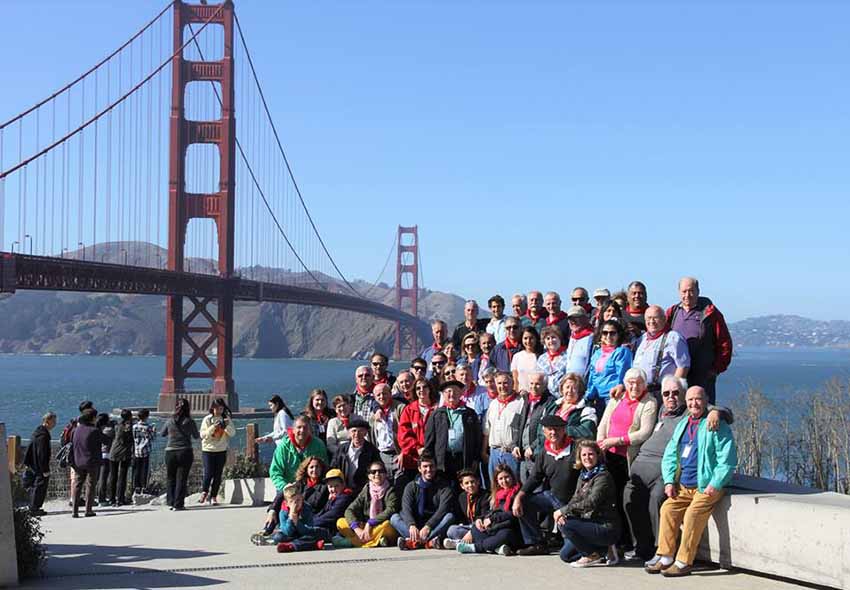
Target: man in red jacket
[[702, 325]]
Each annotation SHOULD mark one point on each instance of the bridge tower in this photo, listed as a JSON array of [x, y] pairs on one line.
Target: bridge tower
[[208, 325], [407, 291]]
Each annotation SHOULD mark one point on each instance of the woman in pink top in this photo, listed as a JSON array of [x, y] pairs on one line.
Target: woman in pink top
[[524, 362], [625, 425]]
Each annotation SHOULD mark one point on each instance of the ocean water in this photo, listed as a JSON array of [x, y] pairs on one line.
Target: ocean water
[[30, 385]]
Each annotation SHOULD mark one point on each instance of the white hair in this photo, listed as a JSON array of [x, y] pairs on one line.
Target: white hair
[[681, 384], [635, 373]]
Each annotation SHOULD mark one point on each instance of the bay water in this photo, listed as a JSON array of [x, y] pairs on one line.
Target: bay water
[[30, 385]]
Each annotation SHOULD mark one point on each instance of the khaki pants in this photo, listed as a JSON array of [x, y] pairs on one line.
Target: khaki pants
[[690, 509], [385, 529]]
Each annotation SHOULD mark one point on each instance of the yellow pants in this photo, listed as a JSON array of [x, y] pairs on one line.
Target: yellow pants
[[382, 531], [690, 509]]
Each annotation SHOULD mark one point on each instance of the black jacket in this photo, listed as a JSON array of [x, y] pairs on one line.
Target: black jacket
[[356, 478], [437, 438], [37, 457], [438, 503], [596, 500], [480, 506], [530, 420], [122, 444]]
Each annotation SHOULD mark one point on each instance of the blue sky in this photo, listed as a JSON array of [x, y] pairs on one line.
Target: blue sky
[[543, 144]]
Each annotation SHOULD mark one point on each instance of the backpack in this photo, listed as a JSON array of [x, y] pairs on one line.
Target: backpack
[[68, 432], [65, 456]]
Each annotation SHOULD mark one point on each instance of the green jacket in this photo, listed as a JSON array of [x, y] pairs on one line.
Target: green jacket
[[717, 456], [287, 459], [358, 510]]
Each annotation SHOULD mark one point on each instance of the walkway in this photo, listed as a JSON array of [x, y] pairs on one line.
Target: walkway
[[151, 547]]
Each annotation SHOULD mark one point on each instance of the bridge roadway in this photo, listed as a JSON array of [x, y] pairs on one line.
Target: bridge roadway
[[21, 271], [150, 547]]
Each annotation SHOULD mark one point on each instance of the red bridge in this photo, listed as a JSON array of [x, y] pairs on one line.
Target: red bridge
[[90, 175]]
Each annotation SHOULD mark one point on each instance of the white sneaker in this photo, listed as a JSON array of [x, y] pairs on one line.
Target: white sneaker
[[504, 550], [588, 560], [450, 543], [613, 556]]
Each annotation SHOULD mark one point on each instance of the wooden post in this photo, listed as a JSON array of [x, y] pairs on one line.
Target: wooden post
[[251, 450], [13, 446]]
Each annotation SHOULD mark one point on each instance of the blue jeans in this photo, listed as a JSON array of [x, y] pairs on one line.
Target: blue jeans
[[403, 528], [584, 537], [534, 506], [499, 456], [458, 531]]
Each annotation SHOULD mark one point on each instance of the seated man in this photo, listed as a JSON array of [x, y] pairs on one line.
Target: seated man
[[473, 502], [297, 531], [425, 509], [354, 456], [453, 433], [553, 470], [697, 465], [644, 492]]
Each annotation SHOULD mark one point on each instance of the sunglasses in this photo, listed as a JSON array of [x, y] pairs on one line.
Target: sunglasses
[[670, 393], [379, 364], [579, 299], [418, 368], [439, 363], [609, 332], [512, 327], [376, 471], [364, 376]]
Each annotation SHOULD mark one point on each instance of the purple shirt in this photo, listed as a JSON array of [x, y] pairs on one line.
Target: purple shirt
[[687, 323]]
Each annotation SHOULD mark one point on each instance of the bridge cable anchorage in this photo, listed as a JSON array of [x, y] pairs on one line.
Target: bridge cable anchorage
[[386, 264], [104, 111], [285, 159], [257, 184], [89, 71]]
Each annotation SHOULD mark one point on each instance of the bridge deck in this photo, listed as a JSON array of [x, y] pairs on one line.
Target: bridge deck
[[150, 547]]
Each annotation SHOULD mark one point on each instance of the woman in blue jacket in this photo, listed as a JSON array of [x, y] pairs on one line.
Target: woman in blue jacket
[[608, 365]]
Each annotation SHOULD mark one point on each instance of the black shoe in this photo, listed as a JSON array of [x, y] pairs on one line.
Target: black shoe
[[88, 514], [38, 512], [538, 549]]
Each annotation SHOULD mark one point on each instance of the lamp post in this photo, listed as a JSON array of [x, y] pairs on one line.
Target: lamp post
[[124, 251], [27, 236], [64, 249], [13, 245], [83, 247]]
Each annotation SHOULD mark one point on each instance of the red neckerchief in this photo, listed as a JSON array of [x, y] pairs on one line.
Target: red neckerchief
[[552, 450], [561, 316], [383, 379], [581, 333], [534, 397], [608, 349], [492, 394], [312, 482], [510, 347], [298, 448], [587, 307], [344, 420], [386, 409], [693, 426], [360, 391], [660, 333], [470, 508], [504, 497], [437, 346], [556, 354], [632, 311], [503, 403], [530, 317]]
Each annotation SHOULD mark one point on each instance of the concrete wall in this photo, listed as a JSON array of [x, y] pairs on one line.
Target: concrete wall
[[773, 528], [8, 554]]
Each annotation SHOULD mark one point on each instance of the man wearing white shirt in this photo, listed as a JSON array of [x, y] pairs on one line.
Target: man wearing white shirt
[[660, 351], [580, 341]]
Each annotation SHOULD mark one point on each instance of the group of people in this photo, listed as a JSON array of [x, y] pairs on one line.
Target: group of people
[[598, 423], [101, 451]]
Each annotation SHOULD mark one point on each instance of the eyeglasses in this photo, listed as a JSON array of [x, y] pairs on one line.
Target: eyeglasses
[[512, 327], [670, 393], [376, 471], [609, 332], [469, 345], [363, 376]]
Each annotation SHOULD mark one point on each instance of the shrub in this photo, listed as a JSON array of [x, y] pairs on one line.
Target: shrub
[[28, 537], [245, 468]]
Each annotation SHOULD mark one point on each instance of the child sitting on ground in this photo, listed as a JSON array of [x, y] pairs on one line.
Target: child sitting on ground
[[297, 532]]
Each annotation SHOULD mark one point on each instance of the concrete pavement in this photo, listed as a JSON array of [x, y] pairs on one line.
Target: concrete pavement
[[151, 547]]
